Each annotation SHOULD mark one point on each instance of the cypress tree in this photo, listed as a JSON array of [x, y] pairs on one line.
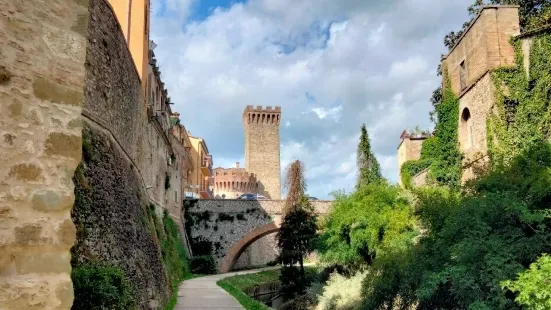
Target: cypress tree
[[368, 167]]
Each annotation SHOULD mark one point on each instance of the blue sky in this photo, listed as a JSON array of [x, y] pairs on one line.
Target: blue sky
[[331, 65]]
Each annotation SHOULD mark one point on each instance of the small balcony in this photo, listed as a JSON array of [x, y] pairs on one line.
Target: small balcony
[[206, 166]]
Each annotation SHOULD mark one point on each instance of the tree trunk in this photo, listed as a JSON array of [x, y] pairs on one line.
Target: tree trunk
[[302, 277]]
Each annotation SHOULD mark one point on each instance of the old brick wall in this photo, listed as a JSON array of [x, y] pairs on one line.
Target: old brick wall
[[42, 58], [262, 149], [223, 222]]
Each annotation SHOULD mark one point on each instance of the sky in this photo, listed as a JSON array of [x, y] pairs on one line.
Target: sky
[[331, 65]]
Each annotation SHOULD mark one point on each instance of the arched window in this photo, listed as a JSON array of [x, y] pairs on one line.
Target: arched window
[[467, 128]]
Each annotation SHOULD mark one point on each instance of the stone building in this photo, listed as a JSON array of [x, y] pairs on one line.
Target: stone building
[[201, 176], [484, 46], [262, 149], [410, 146], [232, 182]]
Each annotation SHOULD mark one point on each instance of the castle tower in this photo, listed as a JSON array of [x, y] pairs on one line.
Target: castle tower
[[230, 183], [262, 148]]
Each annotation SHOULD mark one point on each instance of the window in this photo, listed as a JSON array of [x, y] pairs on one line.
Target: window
[[175, 196], [462, 75]]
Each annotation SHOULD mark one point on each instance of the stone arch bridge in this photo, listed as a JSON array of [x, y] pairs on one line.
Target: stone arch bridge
[[227, 227]]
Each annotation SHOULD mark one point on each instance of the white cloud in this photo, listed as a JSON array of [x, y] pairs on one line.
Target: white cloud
[[370, 62]]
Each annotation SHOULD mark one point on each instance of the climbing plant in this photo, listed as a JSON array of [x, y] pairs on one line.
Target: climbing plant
[[522, 116], [440, 153]]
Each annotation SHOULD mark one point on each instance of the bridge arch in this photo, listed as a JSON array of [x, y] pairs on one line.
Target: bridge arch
[[231, 257]]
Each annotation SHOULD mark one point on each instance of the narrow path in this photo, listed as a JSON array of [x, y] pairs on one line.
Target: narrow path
[[203, 293]]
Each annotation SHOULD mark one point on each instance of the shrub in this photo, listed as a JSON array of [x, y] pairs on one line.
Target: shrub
[[341, 292], [101, 287], [203, 264], [299, 303], [225, 217], [272, 263]]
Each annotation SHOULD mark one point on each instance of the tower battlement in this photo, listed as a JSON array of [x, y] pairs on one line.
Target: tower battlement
[[260, 115]]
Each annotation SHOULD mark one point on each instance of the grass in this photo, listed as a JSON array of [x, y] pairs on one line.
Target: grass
[[246, 301], [245, 281], [236, 285]]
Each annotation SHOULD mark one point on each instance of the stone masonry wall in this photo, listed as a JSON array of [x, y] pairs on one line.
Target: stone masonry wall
[[111, 218], [223, 222], [484, 46], [262, 149], [124, 166], [113, 100], [42, 52]]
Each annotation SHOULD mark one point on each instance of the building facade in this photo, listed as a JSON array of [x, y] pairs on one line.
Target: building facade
[[201, 177], [484, 46], [262, 148]]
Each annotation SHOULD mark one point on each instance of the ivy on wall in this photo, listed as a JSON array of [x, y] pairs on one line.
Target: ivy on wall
[[440, 153], [522, 112]]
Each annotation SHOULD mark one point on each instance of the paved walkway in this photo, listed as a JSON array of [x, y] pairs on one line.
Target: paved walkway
[[203, 293]]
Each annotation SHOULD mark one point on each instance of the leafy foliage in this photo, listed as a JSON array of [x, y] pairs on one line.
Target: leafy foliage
[[533, 285], [371, 223], [343, 293], [440, 152], [523, 114], [101, 287], [175, 256], [412, 167], [475, 240], [369, 169], [203, 264]]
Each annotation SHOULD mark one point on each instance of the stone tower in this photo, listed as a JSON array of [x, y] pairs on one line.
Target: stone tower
[[262, 148]]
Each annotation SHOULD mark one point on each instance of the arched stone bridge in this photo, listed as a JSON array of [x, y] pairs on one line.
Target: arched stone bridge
[[230, 226]]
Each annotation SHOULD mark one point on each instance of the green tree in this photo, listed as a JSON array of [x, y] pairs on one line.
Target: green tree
[[368, 167], [298, 232], [533, 285]]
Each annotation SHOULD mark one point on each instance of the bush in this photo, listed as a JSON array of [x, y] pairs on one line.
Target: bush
[[101, 287], [272, 263], [341, 292], [299, 303], [203, 265]]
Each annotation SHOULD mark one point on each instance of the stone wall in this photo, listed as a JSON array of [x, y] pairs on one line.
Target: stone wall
[[221, 223], [111, 218], [124, 166], [420, 179], [113, 100], [477, 104], [484, 46], [262, 149], [42, 58]]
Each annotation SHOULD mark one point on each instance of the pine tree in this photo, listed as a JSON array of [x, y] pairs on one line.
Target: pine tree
[[297, 234], [368, 167]]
